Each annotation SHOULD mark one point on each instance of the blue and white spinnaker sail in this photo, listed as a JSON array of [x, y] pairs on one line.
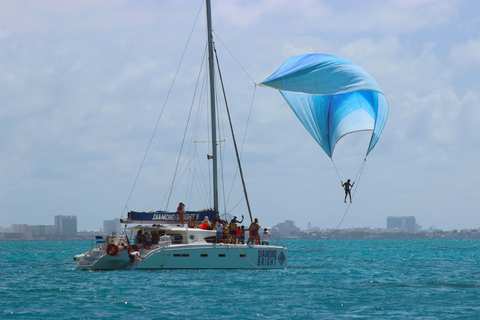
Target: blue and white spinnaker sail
[[332, 97]]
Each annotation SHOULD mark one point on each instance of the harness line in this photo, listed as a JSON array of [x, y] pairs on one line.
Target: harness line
[[357, 181]]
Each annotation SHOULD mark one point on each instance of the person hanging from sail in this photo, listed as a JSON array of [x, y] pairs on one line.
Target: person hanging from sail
[[181, 212], [348, 187]]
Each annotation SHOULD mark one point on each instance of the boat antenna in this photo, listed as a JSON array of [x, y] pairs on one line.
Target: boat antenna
[[212, 105]]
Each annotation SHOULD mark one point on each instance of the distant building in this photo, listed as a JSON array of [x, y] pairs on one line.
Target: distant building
[[66, 225], [287, 227], [110, 226], [404, 223], [20, 228], [42, 230]]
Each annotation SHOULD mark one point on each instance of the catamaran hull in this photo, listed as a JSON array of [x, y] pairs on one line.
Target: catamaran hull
[[99, 260], [216, 256]]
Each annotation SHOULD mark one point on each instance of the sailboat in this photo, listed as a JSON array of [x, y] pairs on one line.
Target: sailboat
[[179, 247]]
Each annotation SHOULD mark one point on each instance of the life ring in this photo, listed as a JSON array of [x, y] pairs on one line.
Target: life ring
[[112, 249], [132, 248]]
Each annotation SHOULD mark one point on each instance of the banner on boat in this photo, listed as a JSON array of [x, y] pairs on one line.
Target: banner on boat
[[167, 217]]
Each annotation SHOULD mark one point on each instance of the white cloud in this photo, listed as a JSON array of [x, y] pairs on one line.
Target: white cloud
[[466, 55]]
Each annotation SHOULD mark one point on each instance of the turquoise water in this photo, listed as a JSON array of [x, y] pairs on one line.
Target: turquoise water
[[336, 279]]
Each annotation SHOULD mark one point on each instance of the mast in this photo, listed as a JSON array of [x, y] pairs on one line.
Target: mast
[[212, 106]]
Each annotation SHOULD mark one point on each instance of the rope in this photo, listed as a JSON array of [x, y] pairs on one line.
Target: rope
[[185, 134], [241, 149], [241, 66], [356, 181], [333, 163], [359, 176], [234, 140]]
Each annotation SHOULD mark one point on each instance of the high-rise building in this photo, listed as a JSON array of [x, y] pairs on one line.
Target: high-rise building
[[110, 226], [66, 225], [402, 223]]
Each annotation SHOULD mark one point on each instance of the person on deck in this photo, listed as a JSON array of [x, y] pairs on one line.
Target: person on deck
[[242, 235], [348, 187], [181, 212], [254, 238], [191, 222], [233, 229], [138, 238], [265, 237], [206, 224], [219, 232], [148, 240]]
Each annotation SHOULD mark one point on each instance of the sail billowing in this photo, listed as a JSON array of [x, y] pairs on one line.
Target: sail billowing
[[332, 97]]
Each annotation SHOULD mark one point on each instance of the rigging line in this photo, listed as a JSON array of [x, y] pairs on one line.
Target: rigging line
[[185, 132], [238, 203], [234, 140], [163, 109], [248, 119], [200, 179], [338, 174], [357, 180], [359, 176], [241, 66], [221, 133], [244, 135]]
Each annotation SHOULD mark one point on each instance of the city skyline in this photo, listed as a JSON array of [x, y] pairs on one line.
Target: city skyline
[[114, 223]]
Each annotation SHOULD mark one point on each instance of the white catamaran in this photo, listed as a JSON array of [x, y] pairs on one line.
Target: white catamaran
[[175, 247]]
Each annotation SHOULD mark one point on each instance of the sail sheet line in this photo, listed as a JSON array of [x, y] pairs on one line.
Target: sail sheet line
[[234, 140], [234, 58]]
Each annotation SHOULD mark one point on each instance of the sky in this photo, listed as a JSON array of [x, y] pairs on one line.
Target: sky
[[83, 83]]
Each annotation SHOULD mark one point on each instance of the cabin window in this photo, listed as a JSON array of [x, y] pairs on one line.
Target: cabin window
[[177, 255], [243, 255], [221, 255], [176, 238], [185, 255], [212, 239], [204, 255]]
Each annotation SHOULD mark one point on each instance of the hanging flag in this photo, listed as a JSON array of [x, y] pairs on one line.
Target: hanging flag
[[209, 157]]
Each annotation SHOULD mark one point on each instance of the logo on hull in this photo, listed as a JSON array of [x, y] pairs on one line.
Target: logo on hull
[[268, 258]]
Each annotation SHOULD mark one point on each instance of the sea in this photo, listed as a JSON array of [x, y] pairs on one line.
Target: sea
[[325, 279]]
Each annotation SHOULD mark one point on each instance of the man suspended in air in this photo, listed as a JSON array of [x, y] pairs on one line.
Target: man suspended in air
[[348, 187]]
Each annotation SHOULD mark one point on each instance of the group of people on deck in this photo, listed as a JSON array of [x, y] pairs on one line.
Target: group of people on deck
[[228, 232], [234, 234], [145, 238]]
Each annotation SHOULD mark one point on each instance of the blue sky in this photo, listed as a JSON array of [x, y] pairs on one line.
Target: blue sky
[[82, 84]]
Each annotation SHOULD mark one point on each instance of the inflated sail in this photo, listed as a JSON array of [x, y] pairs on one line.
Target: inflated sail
[[332, 97]]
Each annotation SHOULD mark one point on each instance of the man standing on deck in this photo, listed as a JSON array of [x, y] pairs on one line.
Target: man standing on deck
[[265, 237], [219, 231], [254, 238]]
